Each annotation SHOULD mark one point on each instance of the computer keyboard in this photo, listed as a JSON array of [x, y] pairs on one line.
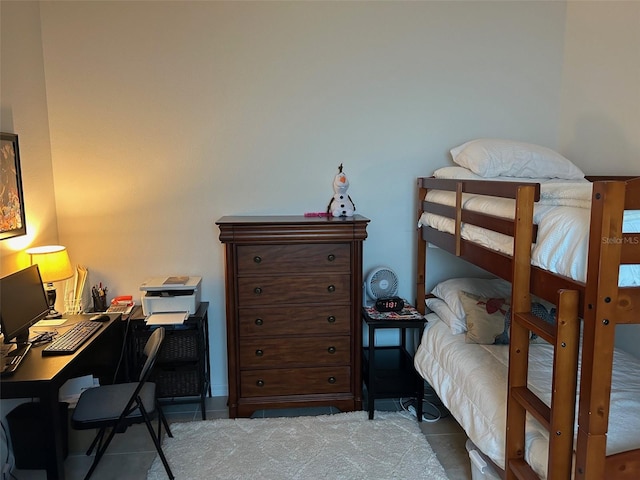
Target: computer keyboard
[[72, 339]]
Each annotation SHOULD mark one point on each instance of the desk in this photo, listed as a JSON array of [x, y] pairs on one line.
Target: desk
[[40, 378]]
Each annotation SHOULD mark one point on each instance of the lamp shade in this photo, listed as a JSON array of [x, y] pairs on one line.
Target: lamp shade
[[53, 262]]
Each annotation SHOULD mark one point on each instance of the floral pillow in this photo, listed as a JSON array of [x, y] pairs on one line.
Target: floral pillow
[[485, 317]]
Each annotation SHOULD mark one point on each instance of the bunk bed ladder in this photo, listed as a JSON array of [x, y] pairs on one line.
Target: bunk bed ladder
[[564, 336], [559, 418]]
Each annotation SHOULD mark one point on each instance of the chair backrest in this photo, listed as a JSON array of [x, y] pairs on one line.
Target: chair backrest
[[151, 351]]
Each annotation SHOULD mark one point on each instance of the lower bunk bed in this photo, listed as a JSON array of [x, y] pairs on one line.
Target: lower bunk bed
[[471, 381]]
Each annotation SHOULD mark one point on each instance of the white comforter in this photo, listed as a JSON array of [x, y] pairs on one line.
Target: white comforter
[[471, 381], [563, 218]]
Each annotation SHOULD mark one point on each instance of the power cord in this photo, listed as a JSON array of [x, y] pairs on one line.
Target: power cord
[[431, 396], [432, 407], [431, 413], [43, 337], [123, 349]]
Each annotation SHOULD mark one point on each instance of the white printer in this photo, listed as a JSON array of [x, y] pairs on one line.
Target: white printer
[[171, 294]]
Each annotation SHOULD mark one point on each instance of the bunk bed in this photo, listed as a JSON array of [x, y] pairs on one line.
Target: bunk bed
[[602, 292]]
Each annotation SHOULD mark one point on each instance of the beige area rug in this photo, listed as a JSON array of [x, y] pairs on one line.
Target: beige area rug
[[341, 446]]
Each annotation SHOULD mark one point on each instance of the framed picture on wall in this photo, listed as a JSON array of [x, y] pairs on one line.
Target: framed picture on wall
[[12, 217]]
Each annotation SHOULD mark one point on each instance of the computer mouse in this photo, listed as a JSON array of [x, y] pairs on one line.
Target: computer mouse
[[100, 317]]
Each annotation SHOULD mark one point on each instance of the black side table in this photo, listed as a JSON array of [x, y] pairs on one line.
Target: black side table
[[388, 372], [181, 372]]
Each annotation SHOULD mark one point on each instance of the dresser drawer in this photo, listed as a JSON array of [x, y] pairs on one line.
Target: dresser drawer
[[294, 289], [295, 381], [295, 258], [294, 320], [306, 351]]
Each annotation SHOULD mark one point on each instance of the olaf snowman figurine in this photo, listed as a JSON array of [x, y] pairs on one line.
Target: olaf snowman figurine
[[341, 204]]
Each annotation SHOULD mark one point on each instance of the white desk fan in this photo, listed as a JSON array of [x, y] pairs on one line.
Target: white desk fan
[[381, 282]]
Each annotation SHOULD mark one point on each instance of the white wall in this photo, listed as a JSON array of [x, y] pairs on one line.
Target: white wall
[[164, 116], [600, 116], [23, 107]]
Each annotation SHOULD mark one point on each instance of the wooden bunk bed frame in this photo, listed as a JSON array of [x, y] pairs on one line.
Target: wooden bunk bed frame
[[599, 302]]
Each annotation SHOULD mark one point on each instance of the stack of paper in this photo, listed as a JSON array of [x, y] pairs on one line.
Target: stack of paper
[[73, 298], [167, 318], [179, 280]]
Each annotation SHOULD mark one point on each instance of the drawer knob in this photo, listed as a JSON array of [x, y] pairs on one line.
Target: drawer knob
[[259, 321], [331, 319], [260, 383], [259, 353], [331, 380], [257, 259], [331, 349], [331, 257], [257, 290], [331, 288]]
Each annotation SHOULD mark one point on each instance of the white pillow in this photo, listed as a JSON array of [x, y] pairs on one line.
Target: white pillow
[[507, 158], [483, 287], [456, 325], [460, 173], [457, 173]]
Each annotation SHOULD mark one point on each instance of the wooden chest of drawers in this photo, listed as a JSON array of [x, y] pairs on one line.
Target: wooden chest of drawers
[[293, 297]]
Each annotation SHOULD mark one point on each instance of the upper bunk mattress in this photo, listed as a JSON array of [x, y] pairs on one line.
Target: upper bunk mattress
[[563, 216], [471, 381]]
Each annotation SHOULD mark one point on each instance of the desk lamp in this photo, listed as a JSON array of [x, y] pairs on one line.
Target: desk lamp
[[53, 262]]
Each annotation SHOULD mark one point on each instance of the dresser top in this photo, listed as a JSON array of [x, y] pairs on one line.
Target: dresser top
[[291, 228], [287, 219]]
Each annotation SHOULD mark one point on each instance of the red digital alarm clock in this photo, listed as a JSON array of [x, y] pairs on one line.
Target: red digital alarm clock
[[389, 304]]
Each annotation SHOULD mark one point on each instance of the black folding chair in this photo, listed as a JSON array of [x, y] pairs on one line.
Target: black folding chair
[[121, 405]]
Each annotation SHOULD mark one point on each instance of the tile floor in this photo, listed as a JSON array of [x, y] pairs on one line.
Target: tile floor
[[130, 455]]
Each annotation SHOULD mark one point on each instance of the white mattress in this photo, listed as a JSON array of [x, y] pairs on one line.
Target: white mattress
[[471, 381], [563, 218]]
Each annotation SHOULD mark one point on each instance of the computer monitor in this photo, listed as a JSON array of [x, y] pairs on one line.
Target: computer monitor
[[24, 302]]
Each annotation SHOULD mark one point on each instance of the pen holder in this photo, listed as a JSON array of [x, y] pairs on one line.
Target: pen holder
[[99, 303]]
